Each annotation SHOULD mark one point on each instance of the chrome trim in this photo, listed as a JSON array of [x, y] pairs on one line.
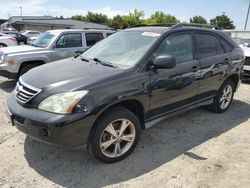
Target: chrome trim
[[23, 95]]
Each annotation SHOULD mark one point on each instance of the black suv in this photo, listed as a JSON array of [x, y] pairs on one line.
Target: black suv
[[124, 84]]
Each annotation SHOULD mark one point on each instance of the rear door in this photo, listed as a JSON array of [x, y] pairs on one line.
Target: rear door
[[172, 89], [213, 62]]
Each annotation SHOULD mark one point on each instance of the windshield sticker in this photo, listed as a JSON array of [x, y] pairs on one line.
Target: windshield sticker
[[151, 34]]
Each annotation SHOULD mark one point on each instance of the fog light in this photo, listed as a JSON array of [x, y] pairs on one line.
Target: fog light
[[44, 132]]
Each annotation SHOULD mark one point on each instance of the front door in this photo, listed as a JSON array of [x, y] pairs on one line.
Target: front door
[[174, 88], [68, 45]]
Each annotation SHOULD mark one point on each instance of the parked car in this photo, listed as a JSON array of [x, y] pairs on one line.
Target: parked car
[[244, 43], [124, 84], [246, 68], [7, 40], [29, 33], [21, 39], [50, 46]]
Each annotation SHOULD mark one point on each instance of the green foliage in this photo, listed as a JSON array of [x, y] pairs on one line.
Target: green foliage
[[223, 22], [92, 17], [136, 17], [160, 17], [198, 20], [133, 18], [117, 22]]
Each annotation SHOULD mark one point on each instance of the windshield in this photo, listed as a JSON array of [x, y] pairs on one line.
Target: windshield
[[123, 49], [44, 40]]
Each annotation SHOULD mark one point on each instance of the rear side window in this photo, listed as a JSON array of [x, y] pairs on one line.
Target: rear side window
[[206, 45], [92, 38], [178, 45], [69, 40], [228, 47]]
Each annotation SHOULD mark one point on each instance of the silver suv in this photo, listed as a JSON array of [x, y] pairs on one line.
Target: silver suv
[[50, 46]]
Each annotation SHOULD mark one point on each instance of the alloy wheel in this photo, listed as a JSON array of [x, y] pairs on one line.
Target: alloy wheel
[[226, 96], [117, 138]]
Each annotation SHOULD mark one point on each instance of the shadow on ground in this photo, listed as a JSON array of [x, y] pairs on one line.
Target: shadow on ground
[[158, 146], [8, 85]]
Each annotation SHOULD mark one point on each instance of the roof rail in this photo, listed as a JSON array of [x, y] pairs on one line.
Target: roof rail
[[179, 25], [160, 24]]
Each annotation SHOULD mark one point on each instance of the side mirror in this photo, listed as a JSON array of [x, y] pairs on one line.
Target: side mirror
[[164, 62]]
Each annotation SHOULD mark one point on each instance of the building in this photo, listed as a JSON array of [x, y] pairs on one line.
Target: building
[[239, 33], [2, 21], [44, 23]]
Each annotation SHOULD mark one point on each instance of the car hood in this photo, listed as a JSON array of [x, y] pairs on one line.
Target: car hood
[[20, 49], [68, 75]]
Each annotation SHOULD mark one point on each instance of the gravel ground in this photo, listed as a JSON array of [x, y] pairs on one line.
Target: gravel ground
[[195, 149]]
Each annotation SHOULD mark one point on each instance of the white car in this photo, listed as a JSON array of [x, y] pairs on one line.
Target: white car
[[30, 34], [246, 67], [7, 40]]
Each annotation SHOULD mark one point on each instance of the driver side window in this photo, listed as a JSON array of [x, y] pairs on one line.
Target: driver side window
[[69, 40], [178, 45]]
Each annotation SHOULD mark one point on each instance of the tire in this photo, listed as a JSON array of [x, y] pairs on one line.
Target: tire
[[25, 69], [2, 45], [110, 148], [224, 96], [22, 43]]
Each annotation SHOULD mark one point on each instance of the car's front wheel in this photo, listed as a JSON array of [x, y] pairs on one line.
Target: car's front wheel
[[115, 135], [2, 45]]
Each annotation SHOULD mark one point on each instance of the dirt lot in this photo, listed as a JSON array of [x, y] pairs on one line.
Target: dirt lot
[[195, 149]]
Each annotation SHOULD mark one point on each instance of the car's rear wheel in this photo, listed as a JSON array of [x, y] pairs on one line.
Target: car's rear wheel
[[224, 97], [21, 43], [115, 135], [2, 45]]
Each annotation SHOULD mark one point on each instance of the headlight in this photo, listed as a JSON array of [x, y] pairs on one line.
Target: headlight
[[62, 103]]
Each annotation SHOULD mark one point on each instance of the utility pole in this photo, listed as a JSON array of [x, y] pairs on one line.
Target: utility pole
[[247, 17], [21, 11]]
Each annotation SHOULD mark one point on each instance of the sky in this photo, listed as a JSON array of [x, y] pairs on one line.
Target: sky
[[182, 9]]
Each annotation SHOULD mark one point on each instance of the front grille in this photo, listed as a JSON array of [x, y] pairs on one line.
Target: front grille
[[25, 92], [247, 61]]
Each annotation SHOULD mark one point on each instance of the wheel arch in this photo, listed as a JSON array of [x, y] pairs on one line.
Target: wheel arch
[[133, 105], [25, 63], [235, 78]]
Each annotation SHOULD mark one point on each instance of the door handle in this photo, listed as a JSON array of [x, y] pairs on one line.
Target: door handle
[[195, 68]]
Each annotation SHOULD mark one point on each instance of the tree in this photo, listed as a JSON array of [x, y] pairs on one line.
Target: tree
[[198, 20], [160, 17], [223, 22], [133, 18], [78, 17], [117, 22], [92, 17]]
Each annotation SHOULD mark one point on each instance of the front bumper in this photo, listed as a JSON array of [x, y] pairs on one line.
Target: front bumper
[[8, 71], [246, 70], [65, 131]]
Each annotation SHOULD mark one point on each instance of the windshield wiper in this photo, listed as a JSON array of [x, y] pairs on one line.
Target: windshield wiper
[[104, 63]]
